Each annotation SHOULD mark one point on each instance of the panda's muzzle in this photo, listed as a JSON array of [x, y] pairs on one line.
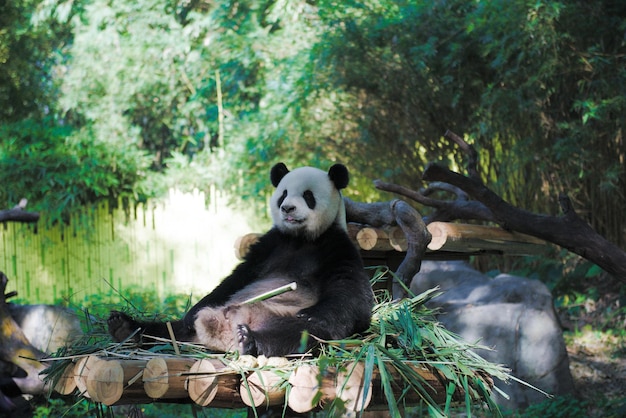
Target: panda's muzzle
[[292, 220], [287, 214], [286, 209]]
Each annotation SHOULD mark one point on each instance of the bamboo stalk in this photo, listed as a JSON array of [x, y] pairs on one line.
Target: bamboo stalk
[[271, 293]]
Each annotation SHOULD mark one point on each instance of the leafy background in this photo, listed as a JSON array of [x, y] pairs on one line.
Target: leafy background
[[120, 101]]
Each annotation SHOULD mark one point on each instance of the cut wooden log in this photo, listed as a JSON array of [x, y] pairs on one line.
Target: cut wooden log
[[307, 390], [352, 389], [397, 239], [81, 373], [373, 239], [66, 383], [311, 388], [469, 238], [165, 378], [568, 230], [109, 380], [211, 382], [263, 387], [202, 382], [433, 385]]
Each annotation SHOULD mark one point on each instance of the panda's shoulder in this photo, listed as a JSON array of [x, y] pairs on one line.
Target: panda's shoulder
[[334, 233], [268, 241], [336, 239]]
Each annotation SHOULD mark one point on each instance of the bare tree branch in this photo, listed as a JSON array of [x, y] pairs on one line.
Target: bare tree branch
[[446, 210], [568, 231], [400, 213], [18, 214]]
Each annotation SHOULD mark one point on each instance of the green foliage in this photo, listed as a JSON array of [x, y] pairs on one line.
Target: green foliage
[[571, 407], [27, 55], [559, 407], [60, 170], [215, 93], [533, 84], [138, 302], [405, 333], [68, 408], [142, 92], [57, 407]]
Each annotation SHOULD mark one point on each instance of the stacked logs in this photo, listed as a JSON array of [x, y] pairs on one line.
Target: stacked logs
[[446, 238], [210, 382]]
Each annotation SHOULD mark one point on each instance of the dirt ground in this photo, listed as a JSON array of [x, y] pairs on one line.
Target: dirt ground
[[596, 343]]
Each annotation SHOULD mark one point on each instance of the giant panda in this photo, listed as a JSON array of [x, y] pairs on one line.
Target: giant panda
[[308, 244]]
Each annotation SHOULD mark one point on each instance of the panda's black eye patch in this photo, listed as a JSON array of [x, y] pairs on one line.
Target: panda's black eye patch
[[282, 198], [309, 198]]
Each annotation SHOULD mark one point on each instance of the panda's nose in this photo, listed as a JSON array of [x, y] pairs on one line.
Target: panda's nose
[[287, 208]]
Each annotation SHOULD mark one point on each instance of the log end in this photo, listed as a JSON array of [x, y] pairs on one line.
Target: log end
[[105, 382], [202, 383], [66, 383], [352, 388], [305, 386], [165, 378], [263, 387]]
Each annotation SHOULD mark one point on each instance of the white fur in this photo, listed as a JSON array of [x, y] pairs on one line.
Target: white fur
[[329, 207], [216, 328]]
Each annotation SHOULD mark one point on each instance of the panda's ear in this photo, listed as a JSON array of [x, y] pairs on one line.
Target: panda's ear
[[278, 172], [338, 174]]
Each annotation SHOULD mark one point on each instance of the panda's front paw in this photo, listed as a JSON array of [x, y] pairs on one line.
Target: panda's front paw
[[121, 326], [245, 340], [306, 314]]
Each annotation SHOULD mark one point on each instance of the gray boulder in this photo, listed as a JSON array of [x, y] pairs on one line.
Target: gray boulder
[[47, 327], [513, 315]]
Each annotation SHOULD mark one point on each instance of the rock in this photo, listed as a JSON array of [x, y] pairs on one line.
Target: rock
[[47, 327], [513, 315]]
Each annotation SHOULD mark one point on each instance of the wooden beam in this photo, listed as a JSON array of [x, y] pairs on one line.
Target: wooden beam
[[468, 238]]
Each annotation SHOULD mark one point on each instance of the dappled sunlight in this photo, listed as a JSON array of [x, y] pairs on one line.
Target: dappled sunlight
[[179, 245], [191, 247], [597, 361]]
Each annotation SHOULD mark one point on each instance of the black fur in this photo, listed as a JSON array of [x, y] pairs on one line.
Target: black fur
[[277, 173], [338, 173]]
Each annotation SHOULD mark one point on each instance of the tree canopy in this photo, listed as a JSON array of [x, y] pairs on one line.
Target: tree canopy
[[102, 99]]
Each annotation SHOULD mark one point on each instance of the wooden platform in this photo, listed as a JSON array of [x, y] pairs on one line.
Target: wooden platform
[[249, 382]]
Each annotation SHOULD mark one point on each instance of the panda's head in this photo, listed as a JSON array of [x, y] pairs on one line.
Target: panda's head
[[307, 200]]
